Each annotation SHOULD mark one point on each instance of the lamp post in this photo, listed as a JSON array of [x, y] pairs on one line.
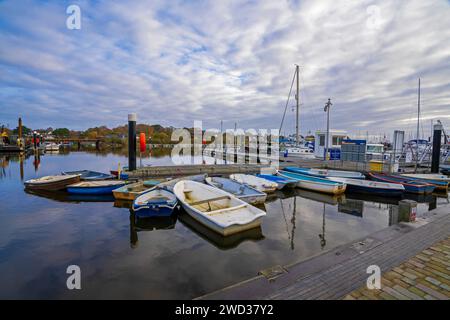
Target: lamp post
[[327, 110]]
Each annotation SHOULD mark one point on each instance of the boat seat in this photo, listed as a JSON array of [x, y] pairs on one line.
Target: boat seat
[[208, 200], [215, 212]]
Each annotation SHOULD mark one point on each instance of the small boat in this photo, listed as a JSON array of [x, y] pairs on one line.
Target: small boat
[[314, 183], [299, 152], [88, 175], [217, 209], [325, 173], [410, 185], [155, 202], [427, 176], [257, 183], [95, 187], [151, 183], [282, 182], [371, 187], [445, 169], [49, 147], [239, 190], [54, 183], [130, 191], [438, 180], [169, 185]]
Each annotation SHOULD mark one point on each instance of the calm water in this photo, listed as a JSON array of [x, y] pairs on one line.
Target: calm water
[[157, 259]]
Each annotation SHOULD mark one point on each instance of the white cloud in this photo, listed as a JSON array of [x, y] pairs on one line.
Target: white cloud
[[176, 61]]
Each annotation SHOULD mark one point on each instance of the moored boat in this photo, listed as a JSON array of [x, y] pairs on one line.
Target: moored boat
[[410, 185], [53, 183], [282, 182], [50, 147], [217, 209], [440, 182], [239, 190], [130, 191], [88, 175], [95, 187], [259, 184], [371, 187], [325, 173], [314, 183], [155, 202]]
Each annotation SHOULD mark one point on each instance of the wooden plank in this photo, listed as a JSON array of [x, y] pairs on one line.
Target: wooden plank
[[208, 200]]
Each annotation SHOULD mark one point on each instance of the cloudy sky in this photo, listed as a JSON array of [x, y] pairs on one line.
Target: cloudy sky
[[174, 62]]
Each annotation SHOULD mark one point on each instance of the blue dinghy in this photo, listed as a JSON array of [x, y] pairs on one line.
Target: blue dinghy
[[95, 187], [282, 182], [239, 190], [155, 202], [88, 175], [325, 173]]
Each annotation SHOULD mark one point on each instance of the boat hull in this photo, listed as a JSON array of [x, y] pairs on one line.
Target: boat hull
[[440, 185], [256, 197], [150, 203], [92, 190], [409, 187], [375, 191], [233, 215], [316, 184], [130, 192], [222, 231], [52, 186], [323, 173], [156, 211]]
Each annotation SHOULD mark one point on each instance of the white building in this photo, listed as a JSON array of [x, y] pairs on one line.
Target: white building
[[335, 138]]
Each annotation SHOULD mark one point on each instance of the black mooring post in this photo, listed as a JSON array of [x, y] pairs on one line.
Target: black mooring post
[[132, 118], [435, 158], [35, 141]]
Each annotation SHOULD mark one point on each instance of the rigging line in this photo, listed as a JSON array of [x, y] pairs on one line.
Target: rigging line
[[287, 102], [304, 109]]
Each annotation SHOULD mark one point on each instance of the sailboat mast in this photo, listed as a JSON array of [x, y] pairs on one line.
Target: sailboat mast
[[297, 135], [418, 125]]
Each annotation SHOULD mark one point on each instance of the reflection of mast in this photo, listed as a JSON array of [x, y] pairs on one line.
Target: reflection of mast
[[293, 222], [133, 233], [323, 241], [290, 234], [21, 158], [37, 161]]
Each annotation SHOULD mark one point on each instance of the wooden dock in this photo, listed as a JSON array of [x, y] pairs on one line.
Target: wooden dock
[[341, 271]]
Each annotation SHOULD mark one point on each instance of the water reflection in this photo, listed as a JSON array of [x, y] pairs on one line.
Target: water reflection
[[217, 240], [62, 196], [97, 235], [148, 224]]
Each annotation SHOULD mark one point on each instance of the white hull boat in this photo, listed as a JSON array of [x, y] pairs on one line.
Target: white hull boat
[[239, 190], [216, 209], [257, 183], [315, 183]]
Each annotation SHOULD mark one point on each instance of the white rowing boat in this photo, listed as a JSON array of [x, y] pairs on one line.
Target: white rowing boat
[[258, 183], [217, 209]]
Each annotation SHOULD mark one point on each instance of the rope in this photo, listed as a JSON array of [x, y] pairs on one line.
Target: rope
[[287, 102]]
